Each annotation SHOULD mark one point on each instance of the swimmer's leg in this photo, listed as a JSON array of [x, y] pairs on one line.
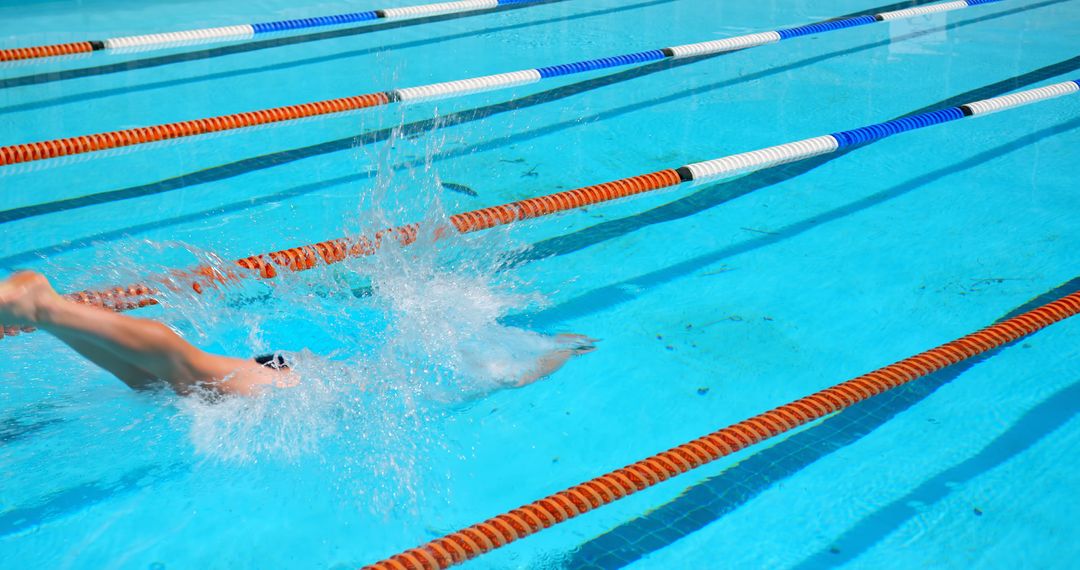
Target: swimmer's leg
[[28, 299]]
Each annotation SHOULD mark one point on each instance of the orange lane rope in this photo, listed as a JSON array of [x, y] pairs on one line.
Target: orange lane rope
[[15, 54], [305, 257], [503, 529], [114, 139]]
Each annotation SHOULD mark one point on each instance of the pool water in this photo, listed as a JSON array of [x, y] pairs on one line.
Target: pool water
[[714, 302]]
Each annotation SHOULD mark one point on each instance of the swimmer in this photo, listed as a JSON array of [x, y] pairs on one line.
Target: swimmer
[[141, 352]]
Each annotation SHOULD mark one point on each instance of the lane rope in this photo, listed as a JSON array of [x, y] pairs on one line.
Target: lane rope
[[498, 531], [268, 266], [28, 152], [249, 31]]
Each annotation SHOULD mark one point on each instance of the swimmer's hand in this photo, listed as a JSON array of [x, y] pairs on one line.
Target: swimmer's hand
[[577, 343], [571, 345]]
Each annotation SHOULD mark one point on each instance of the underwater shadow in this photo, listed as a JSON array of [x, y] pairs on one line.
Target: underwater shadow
[[81, 497], [29, 420], [1036, 424]]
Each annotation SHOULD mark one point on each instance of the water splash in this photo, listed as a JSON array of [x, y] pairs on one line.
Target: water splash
[[387, 346]]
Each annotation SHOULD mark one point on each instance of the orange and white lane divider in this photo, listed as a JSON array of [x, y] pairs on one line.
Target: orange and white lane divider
[[268, 266], [29, 152], [498, 531]]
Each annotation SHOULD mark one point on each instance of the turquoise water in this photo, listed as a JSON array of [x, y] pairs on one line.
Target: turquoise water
[[714, 302]]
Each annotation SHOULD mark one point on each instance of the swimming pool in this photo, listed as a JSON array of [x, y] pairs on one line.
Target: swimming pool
[[715, 301]]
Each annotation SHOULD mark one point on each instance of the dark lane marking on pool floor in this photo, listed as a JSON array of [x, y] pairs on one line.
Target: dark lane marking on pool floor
[[76, 499]]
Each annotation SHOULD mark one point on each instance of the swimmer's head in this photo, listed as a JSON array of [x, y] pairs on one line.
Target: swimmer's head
[[275, 361]]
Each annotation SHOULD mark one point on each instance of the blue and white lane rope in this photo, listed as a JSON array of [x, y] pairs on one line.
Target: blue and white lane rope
[[485, 83], [249, 31], [744, 163]]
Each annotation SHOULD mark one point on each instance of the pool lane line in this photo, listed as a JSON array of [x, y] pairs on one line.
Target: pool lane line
[[250, 31], [14, 154], [302, 258], [498, 531]]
